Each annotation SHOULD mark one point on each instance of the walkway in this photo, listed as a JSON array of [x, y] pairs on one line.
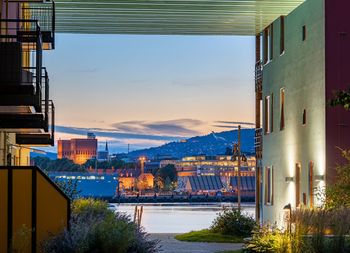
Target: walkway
[[171, 245]]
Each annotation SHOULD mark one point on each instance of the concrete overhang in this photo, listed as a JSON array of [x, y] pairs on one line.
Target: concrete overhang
[[169, 17]]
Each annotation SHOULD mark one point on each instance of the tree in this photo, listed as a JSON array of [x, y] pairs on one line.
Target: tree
[[115, 163], [338, 194], [166, 177], [168, 171], [341, 98], [47, 164]]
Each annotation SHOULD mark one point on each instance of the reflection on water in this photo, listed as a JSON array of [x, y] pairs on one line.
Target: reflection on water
[[179, 217]]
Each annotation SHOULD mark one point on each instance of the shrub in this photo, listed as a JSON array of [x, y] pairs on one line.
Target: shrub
[[95, 228], [268, 239], [313, 231], [233, 222]]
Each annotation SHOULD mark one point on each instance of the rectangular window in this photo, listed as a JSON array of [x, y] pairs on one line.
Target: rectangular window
[[282, 36], [265, 45], [304, 33], [311, 184], [271, 112], [297, 184], [271, 42], [268, 113], [304, 117], [282, 109], [269, 186]]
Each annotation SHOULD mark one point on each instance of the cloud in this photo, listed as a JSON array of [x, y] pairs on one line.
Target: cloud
[[234, 123], [108, 133], [140, 134], [225, 126], [177, 127]]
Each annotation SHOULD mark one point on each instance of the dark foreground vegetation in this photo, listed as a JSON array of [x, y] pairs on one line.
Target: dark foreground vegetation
[[96, 229]]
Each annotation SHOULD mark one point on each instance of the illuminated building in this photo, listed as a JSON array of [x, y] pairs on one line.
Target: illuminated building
[[97, 185], [304, 59], [77, 150], [221, 165]]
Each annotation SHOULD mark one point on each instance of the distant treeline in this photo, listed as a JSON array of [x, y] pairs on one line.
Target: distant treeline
[[67, 165]]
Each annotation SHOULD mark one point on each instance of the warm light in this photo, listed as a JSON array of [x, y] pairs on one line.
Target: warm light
[[289, 179], [319, 177]]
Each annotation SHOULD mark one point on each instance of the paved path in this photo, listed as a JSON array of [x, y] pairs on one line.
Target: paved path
[[171, 245]]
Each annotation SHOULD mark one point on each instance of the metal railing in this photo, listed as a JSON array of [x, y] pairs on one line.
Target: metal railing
[[44, 13], [258, 76], [258, 143]]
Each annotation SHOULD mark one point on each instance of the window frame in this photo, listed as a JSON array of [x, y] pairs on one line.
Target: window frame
[[282, 108], [269, 185]]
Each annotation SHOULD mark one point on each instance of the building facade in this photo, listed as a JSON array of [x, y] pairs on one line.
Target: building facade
[[301, 59], [220, 165], [77, 150]]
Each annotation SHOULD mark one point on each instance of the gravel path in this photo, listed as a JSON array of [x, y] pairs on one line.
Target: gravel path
[[171, 245]]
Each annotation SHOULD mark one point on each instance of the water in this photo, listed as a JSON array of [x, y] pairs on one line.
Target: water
[[179, 217]]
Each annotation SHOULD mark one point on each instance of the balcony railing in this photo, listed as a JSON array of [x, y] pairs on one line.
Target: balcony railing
[[44, 13], [258, 76], [258, 143]]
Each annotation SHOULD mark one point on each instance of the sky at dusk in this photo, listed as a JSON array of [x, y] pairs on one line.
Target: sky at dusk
[[149, 90]]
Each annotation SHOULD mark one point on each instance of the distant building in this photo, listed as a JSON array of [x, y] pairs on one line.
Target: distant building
[[94, 184], [215, 184], [104, 154], [78, 150], [220, 165], [200, 184]]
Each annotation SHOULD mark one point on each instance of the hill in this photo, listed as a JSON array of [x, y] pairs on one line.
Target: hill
[[211, 144], [50, 155]]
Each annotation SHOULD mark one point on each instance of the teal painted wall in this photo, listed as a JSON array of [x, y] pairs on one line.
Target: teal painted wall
[[301, 72]]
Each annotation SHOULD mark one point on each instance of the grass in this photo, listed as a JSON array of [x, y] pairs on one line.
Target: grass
[[206, 235]]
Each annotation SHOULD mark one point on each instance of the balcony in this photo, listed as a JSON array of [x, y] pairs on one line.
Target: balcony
[[258, 77], [258, 143], [44, 14], [20, 63], [47, 138], [25, 107]]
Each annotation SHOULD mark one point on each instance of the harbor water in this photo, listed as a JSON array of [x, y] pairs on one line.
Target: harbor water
[[179, 217]]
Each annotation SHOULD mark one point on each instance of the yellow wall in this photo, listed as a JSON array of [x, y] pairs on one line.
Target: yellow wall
[[20, 156], [3, 210], [52, 209], [22, 209]]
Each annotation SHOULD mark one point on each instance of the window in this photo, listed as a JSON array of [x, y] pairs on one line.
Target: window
[[269, 186], [304, 117], [269, 114], [265, 45], [282, 36], [268, 44], [271, 42], [304, 33], [282, 109], [311, 184], [297, 184]]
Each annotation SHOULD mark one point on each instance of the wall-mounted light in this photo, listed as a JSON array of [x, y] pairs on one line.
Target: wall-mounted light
[[319, 177], [289, 179]]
